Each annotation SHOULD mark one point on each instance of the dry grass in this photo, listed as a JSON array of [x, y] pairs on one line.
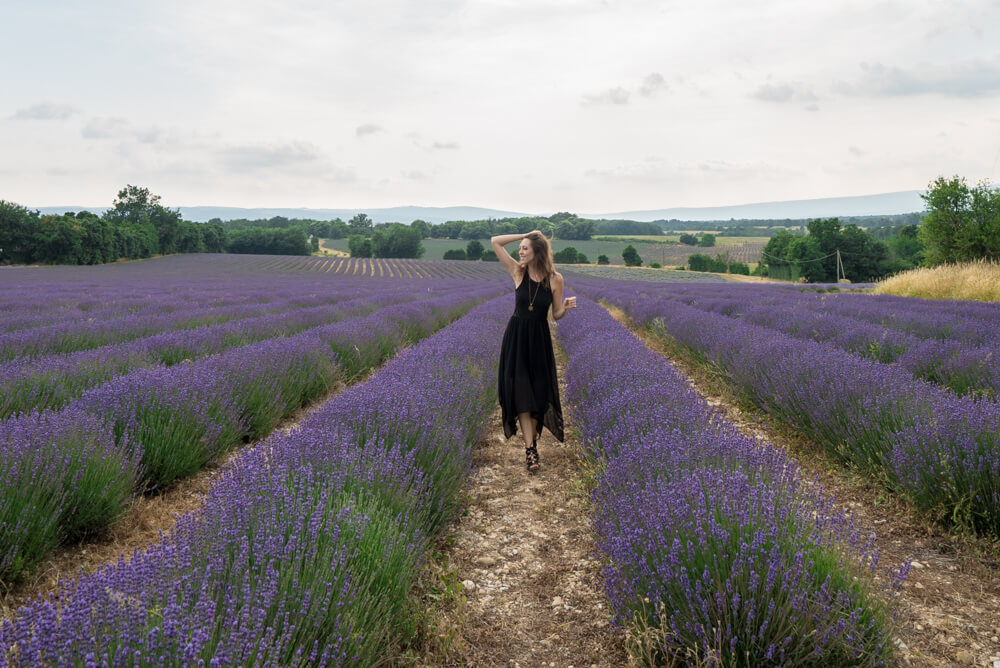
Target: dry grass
[[972, 280]]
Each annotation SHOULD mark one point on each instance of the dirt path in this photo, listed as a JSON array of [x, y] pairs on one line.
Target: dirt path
[[951, 599], [523, 551]]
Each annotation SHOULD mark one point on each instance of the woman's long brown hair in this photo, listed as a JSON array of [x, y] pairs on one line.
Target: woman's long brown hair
[[542, 261]]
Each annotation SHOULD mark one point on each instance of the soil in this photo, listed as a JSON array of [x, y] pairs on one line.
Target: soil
[[523, 552], [950, 602]]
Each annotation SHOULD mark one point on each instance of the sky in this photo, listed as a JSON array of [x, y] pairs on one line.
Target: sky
[[537, 106]]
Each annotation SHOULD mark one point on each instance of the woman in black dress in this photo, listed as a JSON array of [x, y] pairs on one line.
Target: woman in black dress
[[528, 388]]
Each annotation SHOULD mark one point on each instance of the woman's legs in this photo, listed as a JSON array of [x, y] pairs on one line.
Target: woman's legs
[[529, 432], [529, 428]]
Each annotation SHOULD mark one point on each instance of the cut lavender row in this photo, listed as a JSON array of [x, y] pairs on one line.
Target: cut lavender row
[[51, 381], [715, 551], [940, 450], [175, 419], [306, 546]]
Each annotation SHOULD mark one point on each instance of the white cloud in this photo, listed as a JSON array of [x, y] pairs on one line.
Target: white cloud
[[968, 78], [613, 96], [784, 92], [247, 157], [653, 83], [367, 129], [105, 128], [45, 111]]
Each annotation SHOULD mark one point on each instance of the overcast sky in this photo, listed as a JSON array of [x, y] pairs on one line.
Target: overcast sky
[[590, 106]]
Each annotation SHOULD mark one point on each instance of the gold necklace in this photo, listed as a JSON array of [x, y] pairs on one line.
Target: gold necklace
[[531, 303]]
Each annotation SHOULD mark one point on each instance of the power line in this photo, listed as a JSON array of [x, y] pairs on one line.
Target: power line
[[781, 259]]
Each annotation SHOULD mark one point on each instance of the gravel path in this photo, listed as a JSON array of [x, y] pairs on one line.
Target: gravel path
[[523, 550]]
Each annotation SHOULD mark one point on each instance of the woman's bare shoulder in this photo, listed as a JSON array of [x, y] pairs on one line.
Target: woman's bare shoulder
[[557, 277]]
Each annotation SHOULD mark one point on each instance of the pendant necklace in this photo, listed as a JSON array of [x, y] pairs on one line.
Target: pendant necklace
[[531, 304]]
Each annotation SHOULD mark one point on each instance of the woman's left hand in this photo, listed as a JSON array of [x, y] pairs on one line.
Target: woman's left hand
[[569, 302]]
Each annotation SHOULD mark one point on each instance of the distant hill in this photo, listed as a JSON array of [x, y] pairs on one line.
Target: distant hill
[[886, 204], [864, 205]]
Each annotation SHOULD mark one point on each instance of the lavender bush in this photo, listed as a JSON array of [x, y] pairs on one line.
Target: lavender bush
[[173, 420], [51, 381], [61, 476], [938, 449], [716, 552], [306, 546]]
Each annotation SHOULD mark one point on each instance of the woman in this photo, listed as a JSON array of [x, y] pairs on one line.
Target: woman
[[529, 391]]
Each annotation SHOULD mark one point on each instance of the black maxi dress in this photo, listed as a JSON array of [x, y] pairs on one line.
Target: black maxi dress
[[527, 373]]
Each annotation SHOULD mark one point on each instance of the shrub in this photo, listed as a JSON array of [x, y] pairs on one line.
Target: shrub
[[631, 257], [474, 250]]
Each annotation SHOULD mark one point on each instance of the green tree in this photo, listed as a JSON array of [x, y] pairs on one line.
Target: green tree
[[421, 226], [805, 254], [396, 240], [688, 239], [359, 246], [448, 230], [707, 240], [214, 237], [699, 262], [457, 254], [631, 257], [568, 255], [476, 229], [961, 223], [906, 250], [603, 259], [360, 224], [863, 256], [16, 223], [138, 207], [474, 250], [573, 228]]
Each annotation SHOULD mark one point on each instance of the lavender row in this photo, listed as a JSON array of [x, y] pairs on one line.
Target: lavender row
[[164, 423], [34, 308], [306, 547], [715, 551], [74, 335], [962, 367], [970, 323], [51, 381], [174, 314], [940, 450]]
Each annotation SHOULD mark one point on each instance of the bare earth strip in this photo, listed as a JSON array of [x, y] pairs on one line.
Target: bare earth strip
[[522, 547], [951, 599]]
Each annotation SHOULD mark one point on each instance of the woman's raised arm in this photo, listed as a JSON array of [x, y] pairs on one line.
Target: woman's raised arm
[[498, 243]]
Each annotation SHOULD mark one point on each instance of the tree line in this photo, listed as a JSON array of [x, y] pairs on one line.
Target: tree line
[[960, 224], [137, 226]]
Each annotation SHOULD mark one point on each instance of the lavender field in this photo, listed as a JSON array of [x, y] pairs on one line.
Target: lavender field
[[714, 548], [905, 390]]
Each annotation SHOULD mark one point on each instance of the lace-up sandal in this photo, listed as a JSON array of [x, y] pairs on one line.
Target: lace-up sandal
[[531, 456]]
